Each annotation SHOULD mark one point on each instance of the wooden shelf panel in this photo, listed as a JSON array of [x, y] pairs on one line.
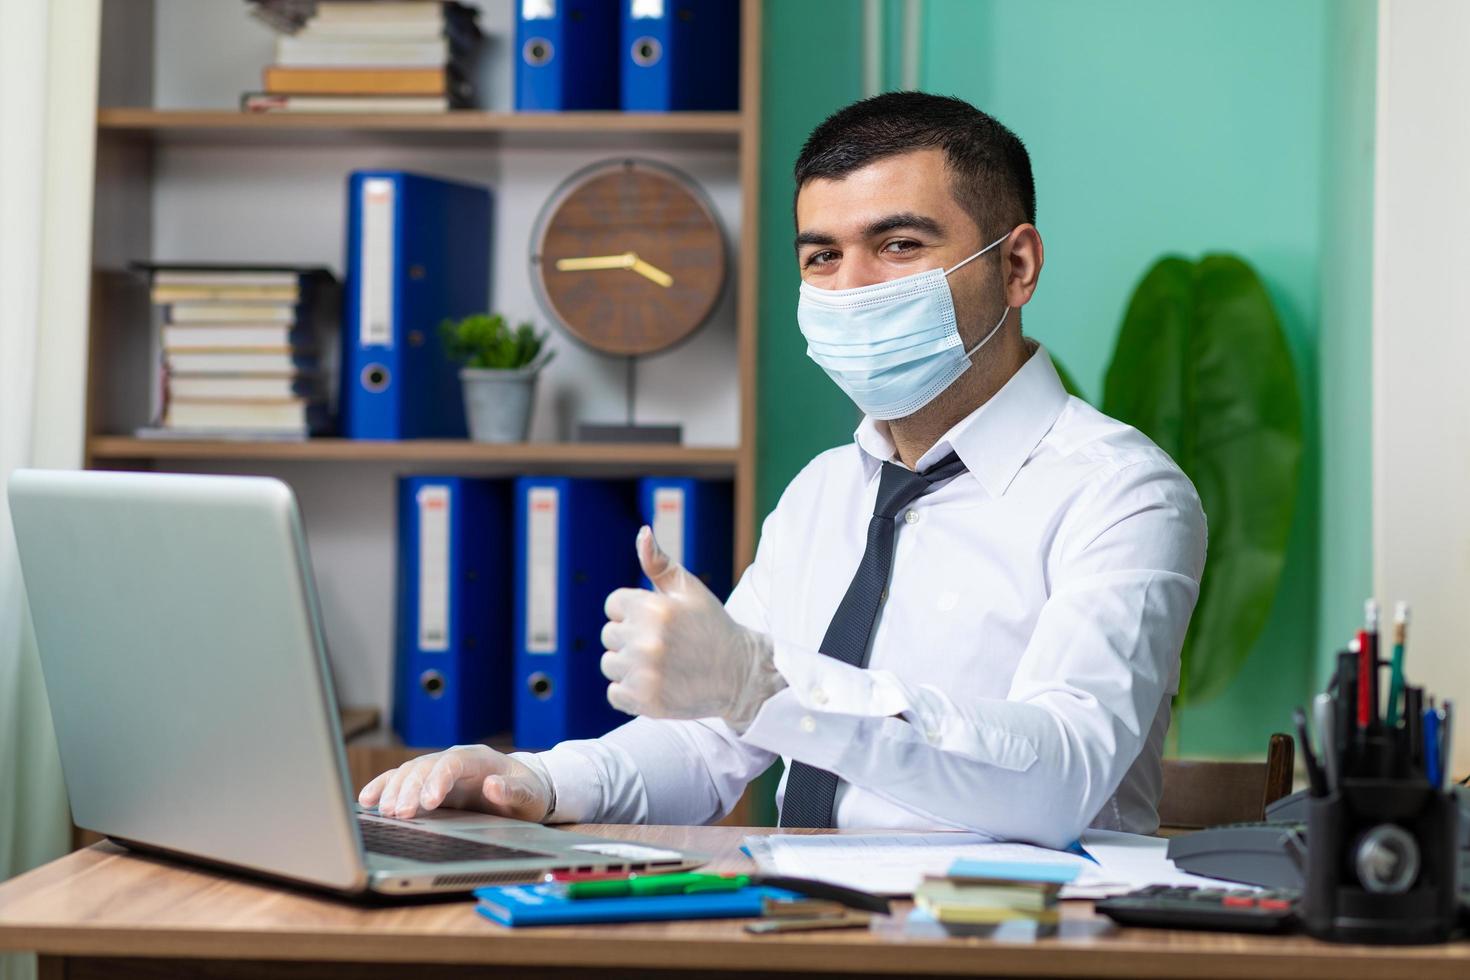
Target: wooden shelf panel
[[612, 456], [223, 125]]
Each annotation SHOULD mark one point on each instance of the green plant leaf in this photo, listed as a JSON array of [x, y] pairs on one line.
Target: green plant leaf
[[1202, 367], [483, 340]]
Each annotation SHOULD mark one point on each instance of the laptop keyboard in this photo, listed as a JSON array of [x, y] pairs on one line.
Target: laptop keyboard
[[400, 841]]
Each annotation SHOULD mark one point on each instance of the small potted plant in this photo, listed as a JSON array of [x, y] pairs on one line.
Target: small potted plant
[[499, 372]]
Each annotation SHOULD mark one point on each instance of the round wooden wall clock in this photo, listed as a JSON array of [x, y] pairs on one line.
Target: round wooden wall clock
[[628, 256]]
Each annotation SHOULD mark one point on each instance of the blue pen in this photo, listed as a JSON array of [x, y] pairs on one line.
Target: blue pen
[[1431, 745]]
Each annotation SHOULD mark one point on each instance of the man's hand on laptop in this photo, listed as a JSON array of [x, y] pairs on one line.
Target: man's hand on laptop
[[465, 777]]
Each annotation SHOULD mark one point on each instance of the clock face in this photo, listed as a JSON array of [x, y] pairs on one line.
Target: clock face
[[628, 257]]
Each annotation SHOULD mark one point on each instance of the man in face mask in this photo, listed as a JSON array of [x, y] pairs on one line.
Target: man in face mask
[[970, 617]]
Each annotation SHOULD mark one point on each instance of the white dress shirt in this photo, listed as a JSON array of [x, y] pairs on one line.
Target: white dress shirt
[[1022, 661]]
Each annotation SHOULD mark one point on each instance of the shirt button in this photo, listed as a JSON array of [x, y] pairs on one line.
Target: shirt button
[[912, 517], [819, 695], [883, 596], [808, 724], [932, 736]]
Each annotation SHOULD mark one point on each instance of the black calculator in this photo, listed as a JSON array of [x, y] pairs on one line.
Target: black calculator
[[1220, 909]]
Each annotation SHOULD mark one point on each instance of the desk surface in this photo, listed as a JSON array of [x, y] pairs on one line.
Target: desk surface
[[105, 902]]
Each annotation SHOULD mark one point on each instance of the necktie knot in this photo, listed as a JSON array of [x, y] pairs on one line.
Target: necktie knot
[[898, 486]]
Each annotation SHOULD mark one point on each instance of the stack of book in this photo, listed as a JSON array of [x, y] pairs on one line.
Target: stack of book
[[241, 351], [374, 56], [991, 892]]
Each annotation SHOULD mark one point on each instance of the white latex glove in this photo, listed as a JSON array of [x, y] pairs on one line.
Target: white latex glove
[[465, 777], [676, 653]]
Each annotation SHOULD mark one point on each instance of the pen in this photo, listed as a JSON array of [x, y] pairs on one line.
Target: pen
[[1414, 724], [1396, 668], [1345, 705], [1323, 710], [1359, 646], [565, 877], [687, 883], [1446, 740], [1314, 772], [670, 884], [1370, 623], [1431, 745]]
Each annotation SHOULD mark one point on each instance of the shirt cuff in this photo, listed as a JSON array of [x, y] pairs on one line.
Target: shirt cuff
[[821, 683], [789, 728], [576, 781]]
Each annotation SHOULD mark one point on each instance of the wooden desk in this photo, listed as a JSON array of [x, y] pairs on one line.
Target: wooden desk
[[102, 912]]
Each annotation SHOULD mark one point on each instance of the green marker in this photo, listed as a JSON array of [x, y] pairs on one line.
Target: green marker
[[1396, 667], [669, 884]]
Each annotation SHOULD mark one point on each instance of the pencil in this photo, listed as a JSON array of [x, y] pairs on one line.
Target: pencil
[[1396, 668]]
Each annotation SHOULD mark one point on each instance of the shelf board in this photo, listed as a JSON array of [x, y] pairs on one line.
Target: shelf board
[[472, 126], [357, 721], [570, 456]]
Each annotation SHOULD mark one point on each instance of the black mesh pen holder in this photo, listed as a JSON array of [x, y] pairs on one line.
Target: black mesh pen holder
[[1382, 863]]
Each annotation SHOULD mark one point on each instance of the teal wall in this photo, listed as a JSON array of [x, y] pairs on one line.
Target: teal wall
[[1346, 341], [812, 64], [1153, 126]]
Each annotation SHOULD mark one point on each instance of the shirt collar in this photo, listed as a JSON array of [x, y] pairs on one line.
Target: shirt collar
[[994, 440]]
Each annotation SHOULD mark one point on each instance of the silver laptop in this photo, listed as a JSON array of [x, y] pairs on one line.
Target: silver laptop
[[182, 648]]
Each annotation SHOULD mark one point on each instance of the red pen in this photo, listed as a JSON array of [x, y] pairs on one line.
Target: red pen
[[1364, 669], [562, 877], [1370, 625]]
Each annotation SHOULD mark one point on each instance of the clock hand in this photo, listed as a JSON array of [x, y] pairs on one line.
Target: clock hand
[[626, 260], [651, 272]]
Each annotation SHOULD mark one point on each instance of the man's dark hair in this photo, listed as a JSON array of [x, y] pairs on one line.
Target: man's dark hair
[[990, 167]]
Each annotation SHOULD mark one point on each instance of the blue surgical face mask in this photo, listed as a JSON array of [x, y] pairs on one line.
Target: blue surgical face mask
[[892, 346]]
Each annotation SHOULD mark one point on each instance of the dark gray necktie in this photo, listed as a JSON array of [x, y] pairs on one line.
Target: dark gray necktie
[[810, 791]]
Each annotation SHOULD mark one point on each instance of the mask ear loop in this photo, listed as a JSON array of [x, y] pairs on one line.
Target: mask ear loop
[[972, 258], [971, 352]]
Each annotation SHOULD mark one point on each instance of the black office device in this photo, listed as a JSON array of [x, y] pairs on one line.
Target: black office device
[[1218, 909], [1269, 853], [1272, 853]]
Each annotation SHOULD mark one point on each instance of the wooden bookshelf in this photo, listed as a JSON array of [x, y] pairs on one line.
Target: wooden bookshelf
[[156, 172], [462, 121], [615, 456]]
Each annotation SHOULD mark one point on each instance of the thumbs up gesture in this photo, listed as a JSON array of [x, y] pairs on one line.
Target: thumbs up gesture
[[675, 653]]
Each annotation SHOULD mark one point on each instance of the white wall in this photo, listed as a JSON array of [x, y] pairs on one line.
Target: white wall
[[1421, 339], [285, 202]]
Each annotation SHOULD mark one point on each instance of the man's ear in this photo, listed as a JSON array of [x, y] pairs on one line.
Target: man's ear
[[1024, 256]]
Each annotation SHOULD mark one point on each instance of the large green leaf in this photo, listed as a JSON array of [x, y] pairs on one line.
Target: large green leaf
[[1202, 367]]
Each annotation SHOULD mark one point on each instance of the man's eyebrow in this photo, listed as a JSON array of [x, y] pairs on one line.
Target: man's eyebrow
[[904, 219], [814, 238], [883, 225]]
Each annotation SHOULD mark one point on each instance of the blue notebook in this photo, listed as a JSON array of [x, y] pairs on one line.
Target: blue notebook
[[418, 253], [680, 54], [573, 545], [454, 615], [692, 520], [545, 905]]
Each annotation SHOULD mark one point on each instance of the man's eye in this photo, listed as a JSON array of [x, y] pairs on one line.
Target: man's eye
[[820, 258], [900, 245]]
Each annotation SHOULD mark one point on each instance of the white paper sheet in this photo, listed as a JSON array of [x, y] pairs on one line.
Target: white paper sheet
[[890, 864], [1129, 861], [894, 864]]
